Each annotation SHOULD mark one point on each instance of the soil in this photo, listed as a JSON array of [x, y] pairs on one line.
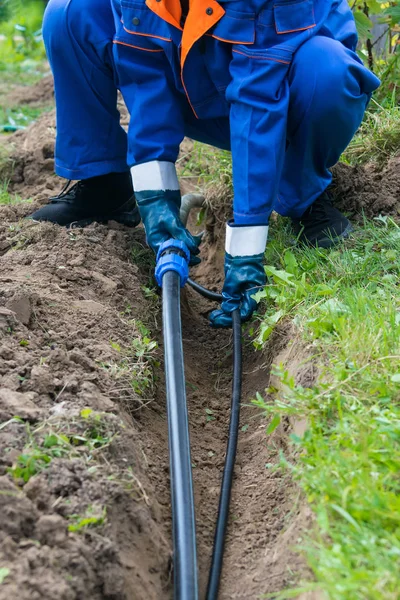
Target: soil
[[71, 302], [40, 94], [368, 190]]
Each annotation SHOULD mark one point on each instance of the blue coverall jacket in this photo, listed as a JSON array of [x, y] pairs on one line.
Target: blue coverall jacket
[[276, 81], [229, 59]]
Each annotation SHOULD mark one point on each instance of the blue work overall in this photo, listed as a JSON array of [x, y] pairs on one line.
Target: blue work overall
[[276, 82]]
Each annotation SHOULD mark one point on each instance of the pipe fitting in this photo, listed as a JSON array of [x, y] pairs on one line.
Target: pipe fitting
[[173, 255]]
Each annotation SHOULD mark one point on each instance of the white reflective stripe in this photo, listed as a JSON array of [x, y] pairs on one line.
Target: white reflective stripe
[[246, 241], [154, 175]]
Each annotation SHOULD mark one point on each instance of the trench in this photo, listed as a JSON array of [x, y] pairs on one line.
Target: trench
[[261, 499]]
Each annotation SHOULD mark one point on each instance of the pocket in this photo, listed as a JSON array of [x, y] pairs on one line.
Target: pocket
[[138, 20], [294, 16], [235, 27]]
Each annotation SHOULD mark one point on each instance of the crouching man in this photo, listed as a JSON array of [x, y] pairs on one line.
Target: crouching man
[[276, 82]]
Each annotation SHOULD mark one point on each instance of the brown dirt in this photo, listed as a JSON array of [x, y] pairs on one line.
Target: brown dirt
[[64, 297], [40, 94], [371, 190], [30, 168]]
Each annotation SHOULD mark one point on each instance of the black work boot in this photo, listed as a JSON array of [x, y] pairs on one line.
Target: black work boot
[[104, 198], [322, 225]]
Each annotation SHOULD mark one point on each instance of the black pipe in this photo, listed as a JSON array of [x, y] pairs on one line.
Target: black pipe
[[226, 486], [183, 517], [205, 292]]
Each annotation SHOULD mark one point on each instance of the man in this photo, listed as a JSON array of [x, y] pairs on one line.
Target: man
[[277, 82]]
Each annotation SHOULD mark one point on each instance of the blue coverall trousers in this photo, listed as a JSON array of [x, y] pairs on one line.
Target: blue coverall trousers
[[326, 104]]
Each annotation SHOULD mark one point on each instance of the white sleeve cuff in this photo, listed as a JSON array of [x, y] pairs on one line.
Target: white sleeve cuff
[[246, 241], [154, 175]]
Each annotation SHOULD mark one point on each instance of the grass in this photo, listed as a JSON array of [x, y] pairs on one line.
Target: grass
[[378, 138], [81, 437], [7, 197], [134, 368], [20, 116], [345, 304]]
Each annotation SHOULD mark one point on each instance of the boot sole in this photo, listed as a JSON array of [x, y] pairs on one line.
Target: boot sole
[[128, 215], [131, 219]]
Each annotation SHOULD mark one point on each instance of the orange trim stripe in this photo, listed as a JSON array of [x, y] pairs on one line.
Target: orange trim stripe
[[285, 62], [188, 97], [158, 37], [294, 30], [137, 47], [231, 41]]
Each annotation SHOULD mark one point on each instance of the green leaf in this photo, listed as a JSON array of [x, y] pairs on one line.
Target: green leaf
[[279, 275], [86, 412], [395, 378], [394, 13], [291, 263], [50, 441], [363, 24], [260, 295], [346, 515], [4, 572], [273, 425]]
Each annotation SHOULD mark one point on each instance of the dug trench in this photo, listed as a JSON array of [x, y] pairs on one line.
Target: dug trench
[[84, 488]]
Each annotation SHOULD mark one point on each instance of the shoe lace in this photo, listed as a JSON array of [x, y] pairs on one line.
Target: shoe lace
[[68, 192], [322, 206]]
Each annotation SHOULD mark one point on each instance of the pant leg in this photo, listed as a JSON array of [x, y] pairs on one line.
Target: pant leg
[[78, 38], [329, 91]]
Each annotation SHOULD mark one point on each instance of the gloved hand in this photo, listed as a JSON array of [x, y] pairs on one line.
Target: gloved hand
[[244, 272], [159, 208]]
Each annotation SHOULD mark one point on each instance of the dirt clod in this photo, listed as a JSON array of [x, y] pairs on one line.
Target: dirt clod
[[368, 190]]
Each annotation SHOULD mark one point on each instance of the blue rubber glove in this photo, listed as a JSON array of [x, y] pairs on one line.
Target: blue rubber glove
[[244, 272], [159, 200]]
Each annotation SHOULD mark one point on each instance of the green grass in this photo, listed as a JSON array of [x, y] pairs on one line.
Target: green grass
[[6, 197], [378, 138], [345, 304], [83, 437], [133, 369], [22, 115]]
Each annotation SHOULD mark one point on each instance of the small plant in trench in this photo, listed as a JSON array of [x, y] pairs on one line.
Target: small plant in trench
[[95, 516], [135, 369], [78, 438]]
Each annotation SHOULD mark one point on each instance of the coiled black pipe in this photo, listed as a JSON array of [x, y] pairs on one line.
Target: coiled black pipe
[[184, 527], [226, 486]]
